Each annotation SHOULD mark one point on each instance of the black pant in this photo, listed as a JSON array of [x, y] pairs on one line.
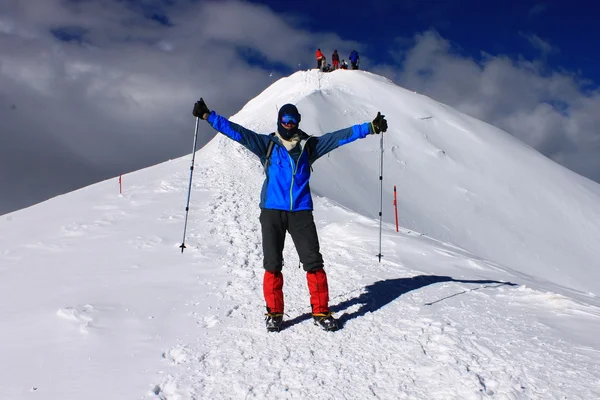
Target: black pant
[[301, 226]]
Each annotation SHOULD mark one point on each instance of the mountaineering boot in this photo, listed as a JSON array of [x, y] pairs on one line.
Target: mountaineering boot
[[273, 321], [319, 299], [326, 321]]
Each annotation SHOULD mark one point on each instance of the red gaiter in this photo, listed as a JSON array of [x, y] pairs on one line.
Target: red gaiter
[[273, 290], [319, 291]]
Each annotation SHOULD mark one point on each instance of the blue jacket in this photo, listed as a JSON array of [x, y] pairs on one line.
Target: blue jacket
[[286, 184], [353, 56]]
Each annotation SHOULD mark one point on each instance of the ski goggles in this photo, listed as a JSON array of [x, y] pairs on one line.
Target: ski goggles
[[289, 119]]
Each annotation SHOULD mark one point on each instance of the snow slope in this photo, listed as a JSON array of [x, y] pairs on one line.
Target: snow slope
[[459, 179], [99, 302]]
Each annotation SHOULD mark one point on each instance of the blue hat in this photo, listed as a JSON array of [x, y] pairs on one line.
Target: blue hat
[[288, 109]]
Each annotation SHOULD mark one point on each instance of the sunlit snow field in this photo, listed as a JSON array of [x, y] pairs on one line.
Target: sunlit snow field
[[489, 290]]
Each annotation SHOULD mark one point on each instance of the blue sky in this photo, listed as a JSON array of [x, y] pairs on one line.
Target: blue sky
[[112, 82], [561, 30], [515, 28]]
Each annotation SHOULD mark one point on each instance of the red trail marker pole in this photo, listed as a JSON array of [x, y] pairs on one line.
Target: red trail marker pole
[[120, 184], [396, 208]]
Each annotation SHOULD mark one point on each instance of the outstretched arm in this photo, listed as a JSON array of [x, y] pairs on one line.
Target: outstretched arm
[[330, 141], [253, 141], [249, 139]]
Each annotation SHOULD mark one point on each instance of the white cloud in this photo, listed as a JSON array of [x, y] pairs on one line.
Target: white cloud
[[121, 97], [538, 43], [547, 109]]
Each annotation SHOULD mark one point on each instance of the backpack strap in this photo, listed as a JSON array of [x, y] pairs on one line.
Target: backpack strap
[[304, 144], [269, 151]]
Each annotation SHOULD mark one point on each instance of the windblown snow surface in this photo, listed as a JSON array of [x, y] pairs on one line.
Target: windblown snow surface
[[489, 291]]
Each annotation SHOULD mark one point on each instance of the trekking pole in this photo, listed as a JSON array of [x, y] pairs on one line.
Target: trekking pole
[[187, 206], [396, 208], [380, 195]]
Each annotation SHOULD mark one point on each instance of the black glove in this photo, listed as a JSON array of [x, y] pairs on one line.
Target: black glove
[[200, 109], [379, 123]]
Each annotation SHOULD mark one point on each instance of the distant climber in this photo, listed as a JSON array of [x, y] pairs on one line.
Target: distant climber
[[335, 59], [320, 58], [354, 59]]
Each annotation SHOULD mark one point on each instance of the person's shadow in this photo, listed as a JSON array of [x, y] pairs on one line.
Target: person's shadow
[[381, 293]]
